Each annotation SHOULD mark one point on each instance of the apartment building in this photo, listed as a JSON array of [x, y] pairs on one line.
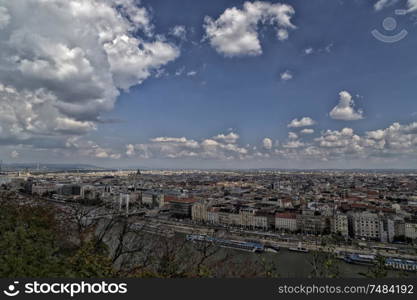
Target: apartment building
[[366, 225], [340, 224], [286, 221]]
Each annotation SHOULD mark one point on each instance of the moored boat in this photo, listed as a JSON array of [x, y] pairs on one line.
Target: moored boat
[[237, 245], [299, 248], [401, 264], [360, 259]]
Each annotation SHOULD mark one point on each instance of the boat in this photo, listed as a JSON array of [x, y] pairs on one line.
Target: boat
[[299, 248], [273, 249], [401, 264], [360, 259], [237, 245]]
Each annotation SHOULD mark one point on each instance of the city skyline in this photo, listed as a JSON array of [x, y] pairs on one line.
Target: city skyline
[[230, 84]]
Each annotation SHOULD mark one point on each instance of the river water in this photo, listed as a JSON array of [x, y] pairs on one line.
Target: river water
[[298, 265]]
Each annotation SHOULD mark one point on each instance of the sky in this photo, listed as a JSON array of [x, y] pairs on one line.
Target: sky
[[209, 84]]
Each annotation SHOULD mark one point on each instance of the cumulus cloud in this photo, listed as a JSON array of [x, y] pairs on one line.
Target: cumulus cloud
[[130, 150], [179, 31], [191, 73], [287, 75], [222, 146], [60, 78], [267, 143], [14, 154], [309, 50], [303, 122], [180, 71], [76, 145], [235, 32], [337, 139], [395, 141], [230, 138], [412, 5], [4, 17], [282, 34], [294, 144], [307, 131], [380, 4], [396, 138], [345, 109], [292, 136]]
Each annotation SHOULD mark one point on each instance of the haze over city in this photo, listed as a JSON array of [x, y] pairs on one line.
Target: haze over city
[[208, 84]]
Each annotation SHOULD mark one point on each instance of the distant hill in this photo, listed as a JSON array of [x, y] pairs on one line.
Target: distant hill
[[48, 167]]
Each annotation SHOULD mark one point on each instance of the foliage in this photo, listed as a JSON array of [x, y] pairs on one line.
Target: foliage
[[378, 270]]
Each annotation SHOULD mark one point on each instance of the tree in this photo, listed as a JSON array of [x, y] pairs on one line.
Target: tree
[[35, 244], [324, 262], [378, 270]]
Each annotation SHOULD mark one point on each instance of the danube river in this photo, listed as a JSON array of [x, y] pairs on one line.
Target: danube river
[[298, 265]]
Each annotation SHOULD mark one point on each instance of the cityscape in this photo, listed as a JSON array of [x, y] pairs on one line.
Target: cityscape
[[354, 216], [162, 139]]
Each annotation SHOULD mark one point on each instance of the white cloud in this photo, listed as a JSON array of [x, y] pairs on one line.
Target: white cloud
[[396, 138], [380, 4], [282, 34], [287, 75], [395, 141], [235, 32], [222, 147], [267, 143], [292, 136], [179, 31], [4, 17], [323, 49], [86, 148], [191, 73], [307, 131], [345, 110], [14, 154], [130, 150], [334, 139], [303, 122], [180, 71], [412, 5], [309, 51], [294, 144], [60, 78], [229, 138]]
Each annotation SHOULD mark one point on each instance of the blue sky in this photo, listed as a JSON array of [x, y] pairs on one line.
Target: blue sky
[[204, 90]]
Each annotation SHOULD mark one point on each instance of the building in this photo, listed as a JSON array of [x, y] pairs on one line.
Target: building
[[124, 200], [152, 199], [180, 207], [199, 212], [286, 221], [247, 217], [399, 227], [213, 215], [387, 229], [70, 190], [43, 189], [312, 222], [366, 225], [148, 199], [260, 221], [340, 224], [411, 230]]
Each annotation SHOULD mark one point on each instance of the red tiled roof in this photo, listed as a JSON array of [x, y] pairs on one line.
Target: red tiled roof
[[286, 215], [179, 200]]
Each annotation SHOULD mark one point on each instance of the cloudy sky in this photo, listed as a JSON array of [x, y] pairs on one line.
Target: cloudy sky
[[210, 84]]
